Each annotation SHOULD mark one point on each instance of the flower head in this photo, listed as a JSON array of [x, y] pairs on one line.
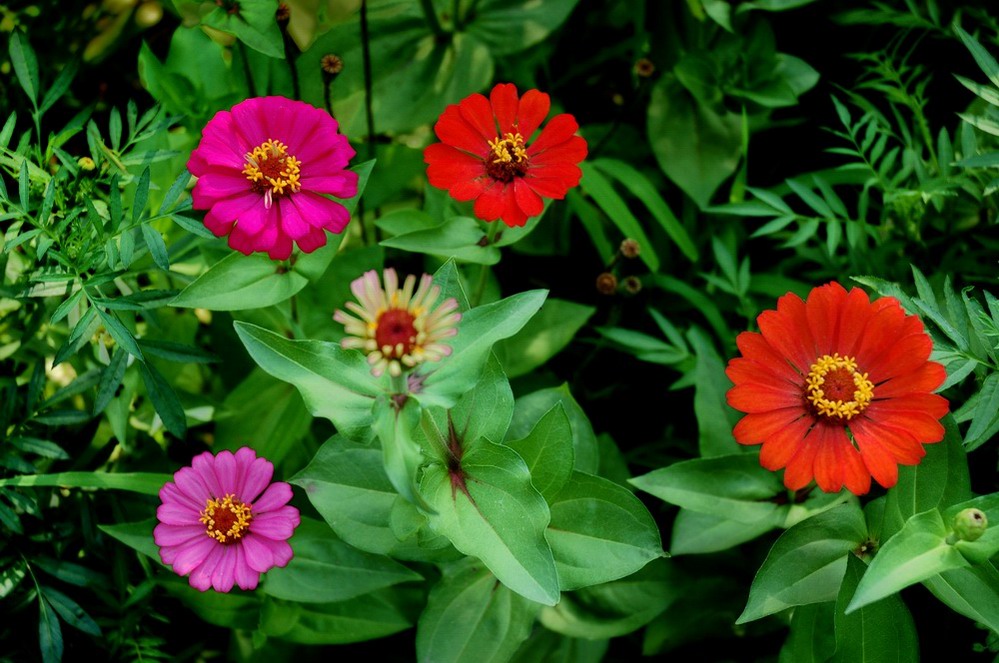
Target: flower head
[[838, 388], [223, 522], [487, 154], [261, 168], [396, 327]]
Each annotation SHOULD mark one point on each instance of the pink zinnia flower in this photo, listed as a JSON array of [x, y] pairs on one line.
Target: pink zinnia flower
[[220, 525], [261, 169]]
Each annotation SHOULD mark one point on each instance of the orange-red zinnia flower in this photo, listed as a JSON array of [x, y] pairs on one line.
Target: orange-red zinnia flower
[[837, 388], [486, 154]]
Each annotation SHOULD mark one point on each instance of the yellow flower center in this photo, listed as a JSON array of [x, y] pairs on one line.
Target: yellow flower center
[[835, 387], [507, 158], [272, 171], [226, 519]]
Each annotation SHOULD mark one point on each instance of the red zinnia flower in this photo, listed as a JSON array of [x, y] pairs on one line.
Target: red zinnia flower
[[486, 154], [261, 170], [838, 388]]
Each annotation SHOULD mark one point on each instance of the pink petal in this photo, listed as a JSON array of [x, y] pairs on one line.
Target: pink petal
[[191, 483], [258, 555], [225, 470], [278, 525], [276, 496], [201, 577], [204, 465], [224, 575], [292, 222], [321, 212], [174, 513], [341, 184], [258, 475], [193, 555], [246, 577], [177, 535], [170, 493], [237, 207], [218, 227]]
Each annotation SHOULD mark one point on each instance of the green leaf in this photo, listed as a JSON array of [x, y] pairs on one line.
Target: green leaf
[[156, 245], [43, 448], [715, 417], [458, 237], [401, 453], [812, 634], [137, 535], [470, 614], [71, 612], [478, 330], [985, 61], [546, 646], [164, 399], [548, 452], [972, 591], [604, 195], [696, 148], [508, 27], [698, 533], [239, 282], [120, 333], [59, 85], [615, 608], [325, 569], [335, 384], [136, 482], [529, 409], [49, 631], [543, 337], [881, 632], [599, 532], [22, 56], [253, 23], [489, 509], [111, 378], [735, 487], [807, 563], [349, 488], [640, 187], [366, 617]]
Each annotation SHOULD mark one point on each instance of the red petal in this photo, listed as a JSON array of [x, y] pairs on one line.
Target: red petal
[[512, 215], [453, 130], [475, 110], [799, 470], [823, 309], [755, 348], [447, 167], [786, 330], [900, 443], [880, 461], [751, 398], [558, 130], [572, 150], [779, 448], [883, 329], [746, 371], [906, 355], [857, 312], [504, 101], [531, 112], [489, 204], [924, 379], [830, 457], [759, 427], [922, 426], [528, 201]]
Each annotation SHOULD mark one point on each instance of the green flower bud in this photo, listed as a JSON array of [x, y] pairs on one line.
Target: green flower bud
[[970, 524]]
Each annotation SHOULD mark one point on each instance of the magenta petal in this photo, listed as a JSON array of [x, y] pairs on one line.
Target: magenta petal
[[242, 241], [330, 154], [224, 576], [314, 240], [171, 493], [321, 212], [276, 496], [291, 221], [258, 475], [246, 577], [237, 207], [282, 246], [177, 535], [278, 525], [341, 185], [204, 465], [191, 483], [201, 577], [258, 554], [193, 555], [225, 470], [217, 185], [173, 513], [218, 227]]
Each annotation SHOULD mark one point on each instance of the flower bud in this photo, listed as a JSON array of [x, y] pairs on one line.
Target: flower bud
[[86, 163], [644, 67], [331, 64], [606, 284], [969, 524], [632, 285], [283, 13], [630, 248], [148, 14]]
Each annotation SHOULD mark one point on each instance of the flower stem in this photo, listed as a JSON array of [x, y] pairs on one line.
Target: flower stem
[[367, 235], [480, 285], [432, 21], [400, 384]]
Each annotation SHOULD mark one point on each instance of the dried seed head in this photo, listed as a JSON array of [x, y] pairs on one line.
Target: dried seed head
[[606, 284]]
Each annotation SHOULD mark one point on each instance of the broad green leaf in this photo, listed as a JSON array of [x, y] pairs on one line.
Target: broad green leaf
[[715, 417], [138, 536], [365, 617], [335, 383], [252, 23], [401, 453], [488, 508], [546, 646], [232, 610], [349, 488], [615, 608], [458, 237], [812, 634], [807, 562], [607, 199], [22, 56], [985, 61], [640, 187], [599, 532], [507, 27], [698, 533], [239, 282], [470, 614], [529, 409], [696, 148], [972, 591], [543, 337], [735, 487], [478, 330], [136, 482], [917, 552], [548, 452], [879, 633], [325, 569]]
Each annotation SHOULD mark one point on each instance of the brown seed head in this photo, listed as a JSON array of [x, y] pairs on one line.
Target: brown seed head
[[331, 64], [630, 248], [606, 284], [644, 67]]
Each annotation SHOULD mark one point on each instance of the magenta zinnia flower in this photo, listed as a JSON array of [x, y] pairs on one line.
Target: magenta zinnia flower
[[223, 522], [261, 169]]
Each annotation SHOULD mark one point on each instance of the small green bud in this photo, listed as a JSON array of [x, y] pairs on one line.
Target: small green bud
[[86, 163], [969, 524]]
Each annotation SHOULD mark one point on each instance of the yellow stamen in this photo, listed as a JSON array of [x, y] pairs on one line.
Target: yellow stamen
[[272, 171], [509, 149], [226, 519], [840, 369]]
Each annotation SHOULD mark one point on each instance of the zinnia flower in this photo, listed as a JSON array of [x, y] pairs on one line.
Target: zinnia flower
[[487, 154], [838, 388], [223, 522], [397, 328], [261, 169]]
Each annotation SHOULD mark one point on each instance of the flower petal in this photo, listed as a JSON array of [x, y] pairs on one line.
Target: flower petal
[[246, 577], [559, 129], [503, 99], [453, 130], [531, 112], [477, 112], [276, 496], [279, 524]]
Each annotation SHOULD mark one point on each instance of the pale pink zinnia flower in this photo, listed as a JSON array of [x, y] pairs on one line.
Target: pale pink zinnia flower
[[222, 523], [396, 327], [261, 168]]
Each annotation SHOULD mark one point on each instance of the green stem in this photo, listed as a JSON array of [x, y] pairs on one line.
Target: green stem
[[250, 84], [480, 285], [431, 15], [367, 235], [400, 384]]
